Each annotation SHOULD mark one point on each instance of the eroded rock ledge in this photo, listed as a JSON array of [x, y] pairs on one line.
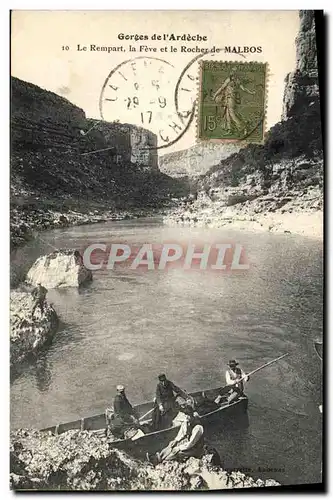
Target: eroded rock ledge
[[80, 460], [29, 333]]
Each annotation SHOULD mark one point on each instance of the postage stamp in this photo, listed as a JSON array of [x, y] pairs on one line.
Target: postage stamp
[[232, 101]]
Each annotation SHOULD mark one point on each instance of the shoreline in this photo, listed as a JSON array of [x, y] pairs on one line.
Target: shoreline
[[306, 224], [24, 230]]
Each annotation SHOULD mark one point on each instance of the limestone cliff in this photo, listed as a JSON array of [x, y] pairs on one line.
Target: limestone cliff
[[282, 176], [301, 89], [196, 160]]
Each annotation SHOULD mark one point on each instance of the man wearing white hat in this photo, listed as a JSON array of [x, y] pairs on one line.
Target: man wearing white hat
[[125, 416], [123, 408]]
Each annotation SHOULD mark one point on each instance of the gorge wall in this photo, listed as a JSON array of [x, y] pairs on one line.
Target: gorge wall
[[196, 160], [55, 147], [301, 85], [63, 162]]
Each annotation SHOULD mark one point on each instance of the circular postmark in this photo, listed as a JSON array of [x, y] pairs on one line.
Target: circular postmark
[[140, 91]]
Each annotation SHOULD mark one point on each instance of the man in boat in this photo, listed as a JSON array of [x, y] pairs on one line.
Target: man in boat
[[39, 296], [235, 378], [189, 441], [166, 393], [125, 415]]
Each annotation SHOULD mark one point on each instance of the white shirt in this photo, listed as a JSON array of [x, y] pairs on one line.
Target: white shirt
[[196, 434], [231, 381]]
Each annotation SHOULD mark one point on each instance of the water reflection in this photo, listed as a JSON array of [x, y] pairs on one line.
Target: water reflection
[[42, 370]]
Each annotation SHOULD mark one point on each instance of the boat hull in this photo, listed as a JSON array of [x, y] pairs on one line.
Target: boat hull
[[155, 441]]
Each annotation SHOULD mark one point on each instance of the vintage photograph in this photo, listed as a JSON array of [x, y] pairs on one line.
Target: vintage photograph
[[166, 250]]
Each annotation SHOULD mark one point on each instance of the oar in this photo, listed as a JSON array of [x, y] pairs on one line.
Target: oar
[[150, 411], [218, 399], [146, 414]]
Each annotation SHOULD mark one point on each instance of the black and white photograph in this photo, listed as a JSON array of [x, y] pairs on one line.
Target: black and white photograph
[[166, 250]]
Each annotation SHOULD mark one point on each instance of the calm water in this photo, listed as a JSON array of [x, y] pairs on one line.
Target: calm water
[[128, 326]]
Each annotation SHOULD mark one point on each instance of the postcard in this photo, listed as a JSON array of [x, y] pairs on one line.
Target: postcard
[[166, 228]]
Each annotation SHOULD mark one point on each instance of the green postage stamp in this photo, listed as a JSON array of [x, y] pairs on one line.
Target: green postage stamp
[[232, 101]]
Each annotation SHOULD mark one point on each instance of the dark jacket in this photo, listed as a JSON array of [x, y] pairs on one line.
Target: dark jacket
[[122, 407], [166, 393]]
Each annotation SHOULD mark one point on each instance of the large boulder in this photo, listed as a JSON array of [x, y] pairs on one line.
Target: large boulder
[[61, 268], [28, 333]]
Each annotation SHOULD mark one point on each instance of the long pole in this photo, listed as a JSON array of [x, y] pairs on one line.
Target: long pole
[[264, 366]]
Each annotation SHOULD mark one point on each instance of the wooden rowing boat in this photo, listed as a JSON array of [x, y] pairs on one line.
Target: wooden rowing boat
[[209, 412], [318, 346]]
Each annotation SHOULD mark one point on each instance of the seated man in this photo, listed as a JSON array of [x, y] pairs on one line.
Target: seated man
[[189, 441], [166, 393], [124, 414], [235, 378]]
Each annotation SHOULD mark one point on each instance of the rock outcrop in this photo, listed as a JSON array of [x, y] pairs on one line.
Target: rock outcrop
[[83, 461], [283, 176], [59, 269], [302, 88], [29, 333]]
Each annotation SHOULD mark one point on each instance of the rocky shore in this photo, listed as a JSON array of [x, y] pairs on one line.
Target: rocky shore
[[81, 460], [283, 205], [29, 333], [28, 220]]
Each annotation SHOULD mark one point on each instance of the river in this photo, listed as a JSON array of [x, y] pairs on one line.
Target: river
[[130, 325]]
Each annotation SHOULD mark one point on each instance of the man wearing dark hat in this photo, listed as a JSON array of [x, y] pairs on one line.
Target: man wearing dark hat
[[166, 393], [235, 378]]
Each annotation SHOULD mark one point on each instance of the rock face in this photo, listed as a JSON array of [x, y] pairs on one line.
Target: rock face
[[129, 143], [196, 160], [59, 269], [29, 333], [282, 176], [83, 461], [41, 119], [302, 88]]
